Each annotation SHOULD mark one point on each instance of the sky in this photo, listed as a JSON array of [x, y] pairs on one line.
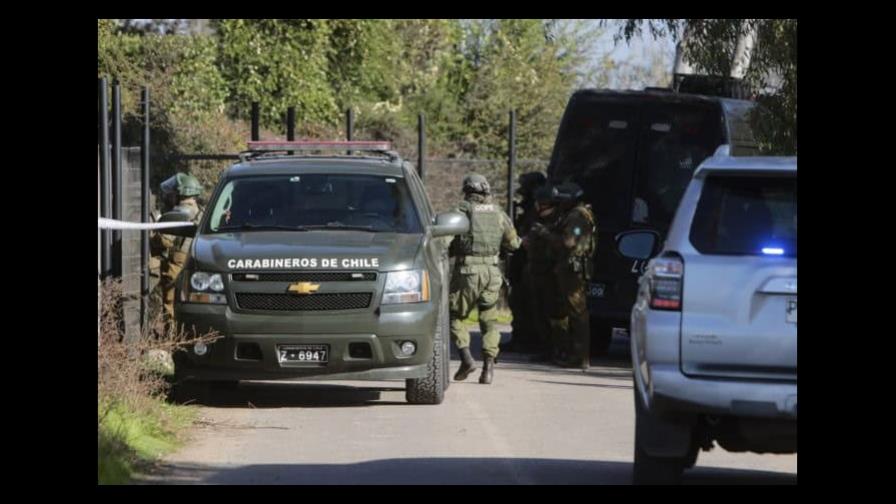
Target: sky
[[638, 53]]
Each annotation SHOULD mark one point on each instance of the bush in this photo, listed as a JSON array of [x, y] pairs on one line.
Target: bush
[[134, 425]]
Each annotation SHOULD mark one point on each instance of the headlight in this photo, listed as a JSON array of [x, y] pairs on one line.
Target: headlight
[[406, 287], [201, 281]]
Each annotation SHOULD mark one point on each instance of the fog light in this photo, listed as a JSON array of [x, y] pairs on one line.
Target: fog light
[[408, 348], [200, 348]]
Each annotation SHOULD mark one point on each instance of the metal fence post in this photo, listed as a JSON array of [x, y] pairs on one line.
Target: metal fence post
[[254, 120], [349, 125], [290, 125], [105, 179], [144, 213], [117, 176], [511, 161], [421, 146]]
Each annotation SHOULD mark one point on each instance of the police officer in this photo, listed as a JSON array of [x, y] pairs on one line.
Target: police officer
[[524, 336], [476, 280], [539, 270], [179, 194], [574, 241]]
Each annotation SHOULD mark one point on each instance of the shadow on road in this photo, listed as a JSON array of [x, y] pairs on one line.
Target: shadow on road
[[302, 395], [618, 356], [449, 471]]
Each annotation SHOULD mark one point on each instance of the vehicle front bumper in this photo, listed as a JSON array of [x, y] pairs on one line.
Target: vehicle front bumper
[[383, 330]]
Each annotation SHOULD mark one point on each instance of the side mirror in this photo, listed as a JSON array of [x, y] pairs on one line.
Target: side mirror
[[188, 230], [637, 244], [450, 223]]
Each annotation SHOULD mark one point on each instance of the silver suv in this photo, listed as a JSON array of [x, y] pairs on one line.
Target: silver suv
[[713, 330]]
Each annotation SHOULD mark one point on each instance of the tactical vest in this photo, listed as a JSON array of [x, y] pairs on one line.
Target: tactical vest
[[182, 244], [585, 248], [486, 230]]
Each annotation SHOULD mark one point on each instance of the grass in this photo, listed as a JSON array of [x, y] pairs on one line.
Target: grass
[[504, 317], [131, 438]]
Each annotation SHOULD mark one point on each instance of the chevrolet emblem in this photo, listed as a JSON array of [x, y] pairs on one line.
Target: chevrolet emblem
[[303, 287]]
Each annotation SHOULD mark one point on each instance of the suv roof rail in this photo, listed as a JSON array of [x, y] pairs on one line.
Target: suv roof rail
[[723, 150], [259, 148]]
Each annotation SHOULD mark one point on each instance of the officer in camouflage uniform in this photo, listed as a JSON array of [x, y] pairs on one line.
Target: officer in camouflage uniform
[[173, 251], [476, 280], [525, 338], [574, 240], [539, 270]]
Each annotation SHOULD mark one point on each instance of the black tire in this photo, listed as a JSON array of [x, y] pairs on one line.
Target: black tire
[[447, 362], [650, 470], [601, 337], [431, 388]]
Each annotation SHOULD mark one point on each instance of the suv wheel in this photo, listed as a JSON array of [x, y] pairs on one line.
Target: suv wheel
[[650, 470], [431, 389]]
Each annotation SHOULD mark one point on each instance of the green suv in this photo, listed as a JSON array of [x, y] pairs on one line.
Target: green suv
[[318, 266]]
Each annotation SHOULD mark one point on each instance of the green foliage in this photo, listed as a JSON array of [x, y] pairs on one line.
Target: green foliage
[[463, 75], [131, 437], [772, 71], [279, 63], [516, 67]]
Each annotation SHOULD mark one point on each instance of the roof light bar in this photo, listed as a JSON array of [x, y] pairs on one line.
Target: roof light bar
[[262, 146]]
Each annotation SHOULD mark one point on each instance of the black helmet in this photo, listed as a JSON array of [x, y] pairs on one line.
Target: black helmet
[[568, 193], [544, 195], [475, 183], [530, 181]]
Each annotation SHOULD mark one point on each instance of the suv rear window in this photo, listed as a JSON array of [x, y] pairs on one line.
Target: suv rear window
[[744, 215], [374, 203]]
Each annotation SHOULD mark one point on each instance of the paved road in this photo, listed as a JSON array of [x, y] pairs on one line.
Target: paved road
[[535, 424]]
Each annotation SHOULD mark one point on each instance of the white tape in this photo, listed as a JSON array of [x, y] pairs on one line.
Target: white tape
[[104, 223]]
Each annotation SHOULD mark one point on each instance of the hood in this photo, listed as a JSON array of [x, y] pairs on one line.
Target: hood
[[306, 250]]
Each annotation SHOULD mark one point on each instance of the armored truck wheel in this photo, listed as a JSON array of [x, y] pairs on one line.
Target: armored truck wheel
[[601, 337]]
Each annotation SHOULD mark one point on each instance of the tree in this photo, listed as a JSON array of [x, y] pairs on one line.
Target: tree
[[772, 70], [279, 63]]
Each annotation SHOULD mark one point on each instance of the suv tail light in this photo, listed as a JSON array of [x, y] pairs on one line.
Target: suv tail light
[[666, 275]]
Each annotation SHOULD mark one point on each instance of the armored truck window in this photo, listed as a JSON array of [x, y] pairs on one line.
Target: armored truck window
[[596, 148], [740, 215], [302, 201], [677, 138]]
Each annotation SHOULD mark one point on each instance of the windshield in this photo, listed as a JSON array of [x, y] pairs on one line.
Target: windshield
[[746, 216], [315, 201]]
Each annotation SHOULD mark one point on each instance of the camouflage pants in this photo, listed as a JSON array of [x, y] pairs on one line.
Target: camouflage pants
[[169, 271], [569, 317], [542, 298], [475, 286]]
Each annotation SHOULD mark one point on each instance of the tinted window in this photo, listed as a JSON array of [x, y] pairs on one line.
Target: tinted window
[[596, 148], [376, 202], [746, 216], [676, 139]]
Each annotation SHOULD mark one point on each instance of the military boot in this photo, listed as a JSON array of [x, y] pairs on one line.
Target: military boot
[[488, 370], [467, 365]]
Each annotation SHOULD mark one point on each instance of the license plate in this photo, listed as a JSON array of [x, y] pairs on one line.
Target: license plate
[[300, 354], [596, 290], [791, 311]]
